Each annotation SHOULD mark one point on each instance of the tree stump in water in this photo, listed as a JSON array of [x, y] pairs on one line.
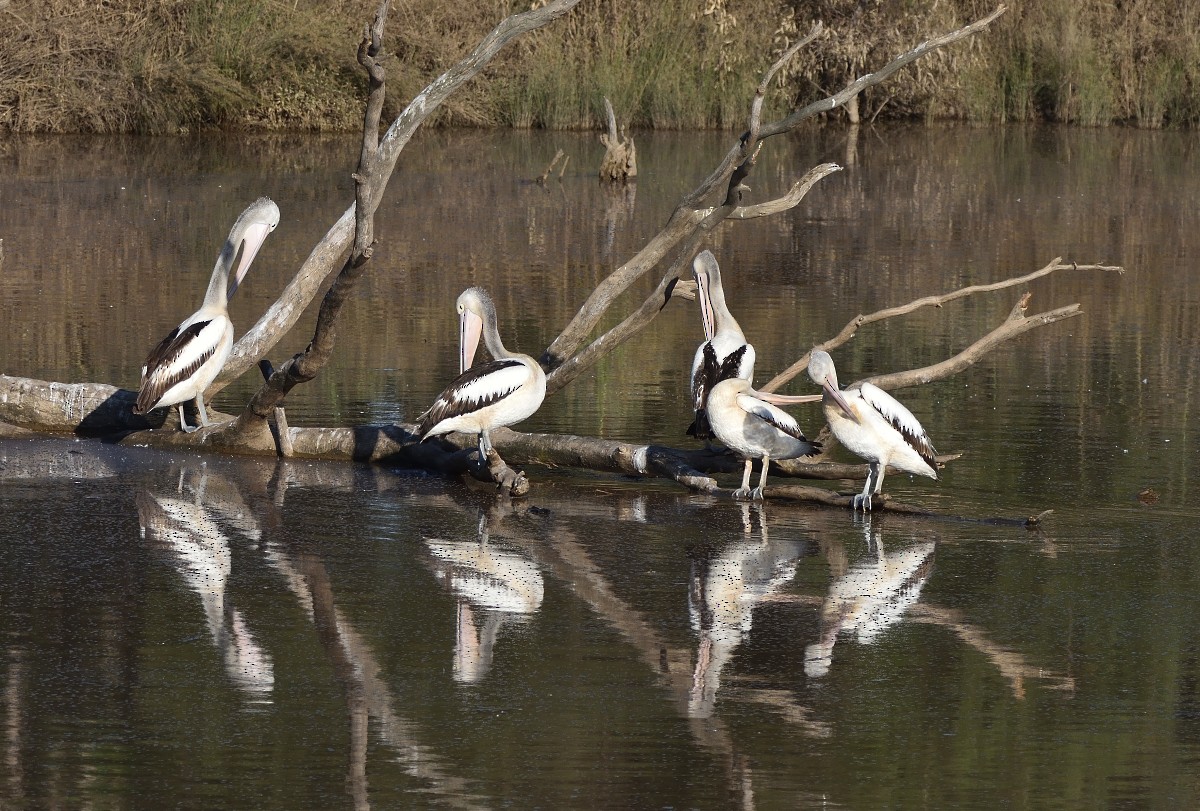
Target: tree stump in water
[[620, 155]]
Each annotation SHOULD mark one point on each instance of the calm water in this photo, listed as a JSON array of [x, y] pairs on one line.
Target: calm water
[[203, 632]]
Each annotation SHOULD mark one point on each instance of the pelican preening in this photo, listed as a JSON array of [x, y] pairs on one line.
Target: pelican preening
[[184, 363], [502, 392], [725, 352], [747, 422], [873, 425]]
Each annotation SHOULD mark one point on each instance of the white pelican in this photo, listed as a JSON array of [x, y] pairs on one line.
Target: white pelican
[[502, 392], [747, 422], [874, 425], [184, 363], [725, 352]]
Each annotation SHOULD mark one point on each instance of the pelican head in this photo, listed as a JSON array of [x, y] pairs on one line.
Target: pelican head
[[476, 312], [248, 234], [823, 373]]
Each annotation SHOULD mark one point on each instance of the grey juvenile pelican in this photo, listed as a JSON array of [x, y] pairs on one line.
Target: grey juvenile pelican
[[747, 422], [725, 352], [502, 392], [874, 425], [184, 363]]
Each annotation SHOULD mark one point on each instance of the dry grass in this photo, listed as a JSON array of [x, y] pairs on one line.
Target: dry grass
[[170, 66]]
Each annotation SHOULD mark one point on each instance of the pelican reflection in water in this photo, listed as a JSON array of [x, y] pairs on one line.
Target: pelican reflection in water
[[500, 584], [187, 361], [723, 592], [870, 597], [189, 528]]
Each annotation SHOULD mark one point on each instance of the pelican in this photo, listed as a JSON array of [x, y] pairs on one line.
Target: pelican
[[184, 363], [502, 392], [874, 425], [725, 352], [747, 422]]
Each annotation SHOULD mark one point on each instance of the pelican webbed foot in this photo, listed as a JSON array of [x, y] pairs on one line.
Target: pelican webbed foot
[[756, 494], [743, 494]]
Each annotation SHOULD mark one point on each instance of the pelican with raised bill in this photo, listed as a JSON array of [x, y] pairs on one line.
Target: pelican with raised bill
[[184, 363], [874, 425], [505, 390], [725, 352], [749, 423]]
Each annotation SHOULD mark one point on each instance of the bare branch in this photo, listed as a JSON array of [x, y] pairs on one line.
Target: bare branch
[[1016, 324], [684, 224], [325, 257], [863, 82], [788, 201], [635, 323], [852, 327]]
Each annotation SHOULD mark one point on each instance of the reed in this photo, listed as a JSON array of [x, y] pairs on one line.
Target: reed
[[170, 66]]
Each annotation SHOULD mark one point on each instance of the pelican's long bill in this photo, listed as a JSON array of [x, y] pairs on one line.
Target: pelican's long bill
[[835, 393], [255, 235], [470, 327], [706, 309], [787, 399]]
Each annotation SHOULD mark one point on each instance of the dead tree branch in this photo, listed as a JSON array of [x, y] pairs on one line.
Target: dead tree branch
[[687, 222], [852, 327], [325, 258], [306, 365]]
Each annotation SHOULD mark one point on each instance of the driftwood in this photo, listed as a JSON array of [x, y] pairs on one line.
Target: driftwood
[[98, 409], [558, 155]]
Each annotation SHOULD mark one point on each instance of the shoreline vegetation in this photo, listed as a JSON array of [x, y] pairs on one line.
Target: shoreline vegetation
[[178, 66]]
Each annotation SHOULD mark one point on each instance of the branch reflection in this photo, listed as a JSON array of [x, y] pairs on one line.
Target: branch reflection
[[368, 694], [866, 599]]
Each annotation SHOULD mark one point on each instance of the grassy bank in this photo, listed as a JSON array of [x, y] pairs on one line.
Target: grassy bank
[[172, 66]]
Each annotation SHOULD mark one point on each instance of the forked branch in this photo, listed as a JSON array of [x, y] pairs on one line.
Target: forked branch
[[858, 321]]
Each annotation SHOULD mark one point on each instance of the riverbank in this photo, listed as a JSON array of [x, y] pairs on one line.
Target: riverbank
[[167, 66]]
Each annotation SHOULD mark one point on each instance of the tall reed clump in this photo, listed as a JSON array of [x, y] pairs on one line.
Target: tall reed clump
[[670, 63], [184, 65], [175, 65], [1088, 62]]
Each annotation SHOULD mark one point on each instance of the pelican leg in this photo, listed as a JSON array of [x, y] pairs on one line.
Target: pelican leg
[[200, 408], [485, 444], [187, 429], [757, 492], [743, 492], [874, 482]]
